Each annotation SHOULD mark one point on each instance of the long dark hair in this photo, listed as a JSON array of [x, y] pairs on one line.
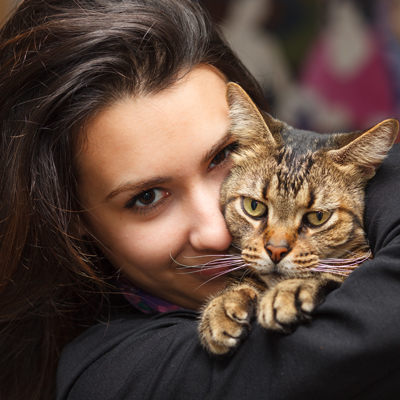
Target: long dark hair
[[61, 61]]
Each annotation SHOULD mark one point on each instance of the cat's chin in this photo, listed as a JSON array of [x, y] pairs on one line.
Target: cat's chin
[[273, 275]]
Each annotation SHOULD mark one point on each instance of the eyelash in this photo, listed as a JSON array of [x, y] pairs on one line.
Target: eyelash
[[149, 209]]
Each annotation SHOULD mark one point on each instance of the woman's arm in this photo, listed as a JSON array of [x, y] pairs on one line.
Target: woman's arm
[[350, 349]]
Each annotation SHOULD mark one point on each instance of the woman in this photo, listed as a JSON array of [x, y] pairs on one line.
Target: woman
[[114, 145], [62, 63]]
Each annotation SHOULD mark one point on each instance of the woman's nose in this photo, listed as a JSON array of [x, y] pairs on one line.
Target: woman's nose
[[209, 230]]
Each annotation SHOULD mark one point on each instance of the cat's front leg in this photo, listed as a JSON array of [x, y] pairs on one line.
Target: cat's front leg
[[292, 301], [226, 318]]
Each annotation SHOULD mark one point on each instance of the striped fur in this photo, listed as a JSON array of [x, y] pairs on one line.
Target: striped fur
[[292, 173]]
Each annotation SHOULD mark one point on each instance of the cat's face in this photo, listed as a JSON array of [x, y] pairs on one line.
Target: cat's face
[[294, 199], [288, 214]]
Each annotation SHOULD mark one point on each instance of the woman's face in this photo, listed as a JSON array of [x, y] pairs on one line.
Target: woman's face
[[150, 179]]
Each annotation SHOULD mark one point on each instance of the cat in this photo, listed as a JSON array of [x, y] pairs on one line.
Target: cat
[[294, 204]]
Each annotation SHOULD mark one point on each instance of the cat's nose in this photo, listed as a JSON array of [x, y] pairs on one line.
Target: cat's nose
[[277, 253]]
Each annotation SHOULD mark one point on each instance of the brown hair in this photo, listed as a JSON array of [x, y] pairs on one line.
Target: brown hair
[[61, 61]]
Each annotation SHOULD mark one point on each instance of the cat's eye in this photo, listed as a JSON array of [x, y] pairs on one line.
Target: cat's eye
[[254, 208], [317, 218]]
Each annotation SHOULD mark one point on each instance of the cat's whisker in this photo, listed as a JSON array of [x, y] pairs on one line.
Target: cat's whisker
[[220, 274], [368, 253], [200, 268], [325, 267], [341, 266], [217, 274], [335, 272], [216, 255], [231, 259], [197, 268], [224, 259], [211, 265], [344, 262], [249, 272], [236, 247], [347, 261], [366, 256]]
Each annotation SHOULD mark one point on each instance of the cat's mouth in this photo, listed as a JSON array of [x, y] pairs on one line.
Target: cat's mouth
[[270, 270], [275, 272]]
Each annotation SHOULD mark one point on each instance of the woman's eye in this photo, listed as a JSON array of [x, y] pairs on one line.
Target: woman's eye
[[222, 156], [254, 208], [317, 218], [147, 198]]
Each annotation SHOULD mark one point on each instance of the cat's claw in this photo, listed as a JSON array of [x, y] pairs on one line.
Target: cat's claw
[[288, 304], [226, 319]]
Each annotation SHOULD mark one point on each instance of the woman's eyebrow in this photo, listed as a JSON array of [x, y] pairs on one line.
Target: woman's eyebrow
[[138, 186], [217, 147]]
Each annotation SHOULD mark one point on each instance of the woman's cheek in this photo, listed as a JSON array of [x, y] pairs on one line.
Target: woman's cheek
[[144, 243]]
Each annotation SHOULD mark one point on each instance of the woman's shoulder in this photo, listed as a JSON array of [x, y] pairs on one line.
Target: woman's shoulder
[[382, 211], [109, 357], [138, 356], [132, 327]]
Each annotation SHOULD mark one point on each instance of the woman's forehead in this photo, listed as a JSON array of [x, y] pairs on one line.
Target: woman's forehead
[[145, 136]]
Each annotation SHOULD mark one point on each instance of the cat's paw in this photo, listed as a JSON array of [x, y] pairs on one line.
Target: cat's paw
[[289, 303], [226, 319]]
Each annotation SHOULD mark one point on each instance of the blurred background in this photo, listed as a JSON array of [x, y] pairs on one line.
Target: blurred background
[[324, 65]]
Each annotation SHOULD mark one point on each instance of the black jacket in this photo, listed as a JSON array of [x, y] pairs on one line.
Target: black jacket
[[350, 350]]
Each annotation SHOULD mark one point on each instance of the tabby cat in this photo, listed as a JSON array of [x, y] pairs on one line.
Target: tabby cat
[[294, 205]]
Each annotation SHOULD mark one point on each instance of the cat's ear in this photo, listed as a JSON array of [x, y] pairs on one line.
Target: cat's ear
[[247, 123], [366, 150]]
